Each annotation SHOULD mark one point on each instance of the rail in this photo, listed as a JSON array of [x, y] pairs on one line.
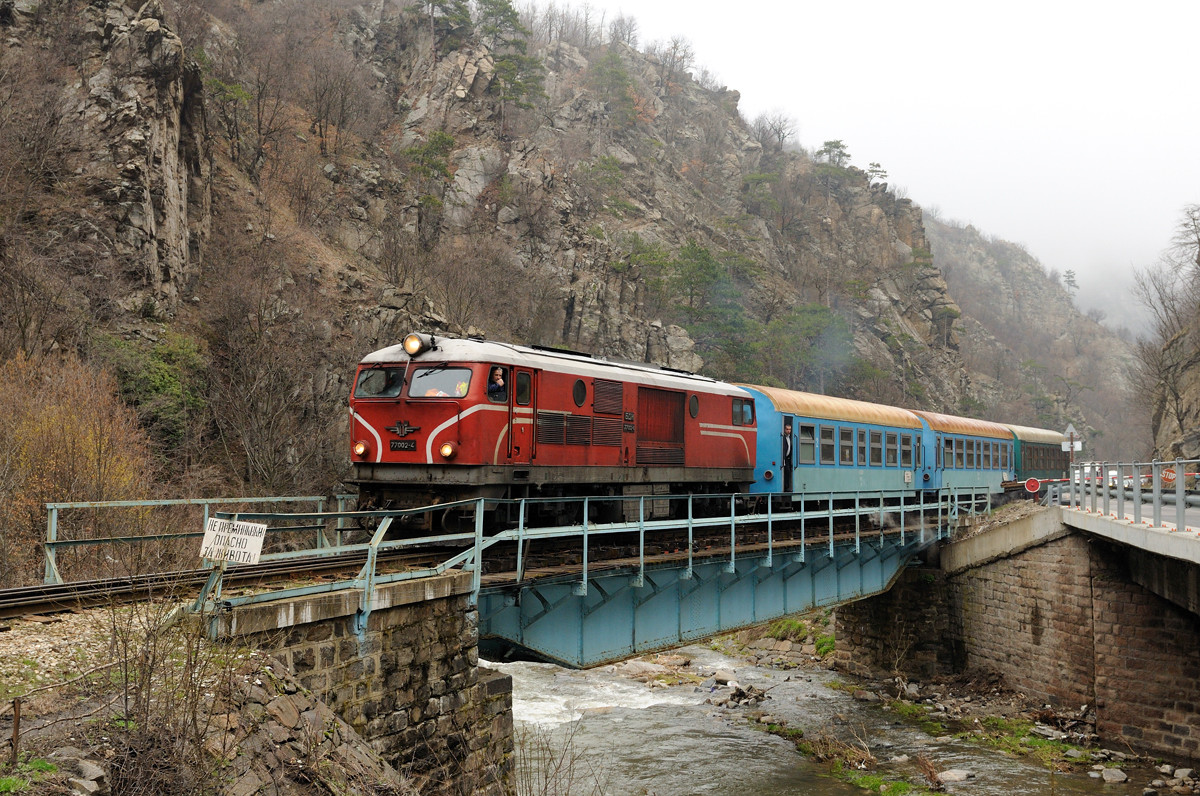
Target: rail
[[737, 510], [1104, 488], [53, 544]]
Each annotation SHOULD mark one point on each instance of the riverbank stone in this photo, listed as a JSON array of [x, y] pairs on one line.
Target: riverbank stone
[[956, 775], [1113, 775]]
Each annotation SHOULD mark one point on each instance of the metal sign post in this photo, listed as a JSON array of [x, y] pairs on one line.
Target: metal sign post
[[1074, 441]]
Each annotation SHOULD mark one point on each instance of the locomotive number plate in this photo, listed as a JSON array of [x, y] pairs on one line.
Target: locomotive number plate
[[629, 428], [404, 444], [629, 417]]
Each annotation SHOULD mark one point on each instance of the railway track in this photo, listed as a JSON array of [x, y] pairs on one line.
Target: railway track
[[51, 598]]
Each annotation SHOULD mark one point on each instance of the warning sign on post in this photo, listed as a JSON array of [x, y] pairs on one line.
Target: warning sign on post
[[235, 542]]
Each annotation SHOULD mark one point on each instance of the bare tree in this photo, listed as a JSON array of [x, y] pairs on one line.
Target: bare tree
[[623, 29], [774, 129]]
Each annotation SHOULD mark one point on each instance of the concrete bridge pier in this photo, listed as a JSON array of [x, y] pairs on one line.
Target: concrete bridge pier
[[408, 680], [1067, 616]]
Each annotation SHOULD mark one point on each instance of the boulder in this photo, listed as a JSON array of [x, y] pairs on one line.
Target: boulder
[[956, 775], [1113, 775]]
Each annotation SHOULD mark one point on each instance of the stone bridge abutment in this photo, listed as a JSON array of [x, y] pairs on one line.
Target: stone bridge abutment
[[1065, 616]]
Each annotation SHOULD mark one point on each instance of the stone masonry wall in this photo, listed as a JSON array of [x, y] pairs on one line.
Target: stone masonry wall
[[409, 683], [1062, 621]]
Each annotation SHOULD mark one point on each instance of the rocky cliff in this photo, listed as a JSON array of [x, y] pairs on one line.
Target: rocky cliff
[[277, 183]]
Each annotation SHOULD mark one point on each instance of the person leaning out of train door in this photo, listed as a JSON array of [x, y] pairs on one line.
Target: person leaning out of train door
[[789, 459], [497, 390]]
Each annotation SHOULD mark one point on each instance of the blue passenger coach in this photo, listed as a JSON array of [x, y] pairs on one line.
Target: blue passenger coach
[[965, 452], [838, 445]]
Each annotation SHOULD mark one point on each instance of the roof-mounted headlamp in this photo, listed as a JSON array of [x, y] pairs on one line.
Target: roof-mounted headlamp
[[415, 344]]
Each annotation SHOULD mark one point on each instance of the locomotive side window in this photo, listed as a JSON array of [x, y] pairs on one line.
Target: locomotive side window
[[846, 445], [694, 405], [876, 448], [440, 381], [743, 412], [905, 450], [892, 457], [524, 391], [497, 384], [579, 392], [808, 445], [862, 447], [827, 451], [379, 383]]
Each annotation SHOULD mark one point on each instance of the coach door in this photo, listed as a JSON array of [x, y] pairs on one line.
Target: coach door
[[521, 414]]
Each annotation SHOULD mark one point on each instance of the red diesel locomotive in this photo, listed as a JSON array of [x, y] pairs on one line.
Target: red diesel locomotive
[[438, 419]]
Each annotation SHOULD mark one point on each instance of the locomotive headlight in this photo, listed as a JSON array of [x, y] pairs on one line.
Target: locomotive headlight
[[448, 450], [417, 343], [360, 448]]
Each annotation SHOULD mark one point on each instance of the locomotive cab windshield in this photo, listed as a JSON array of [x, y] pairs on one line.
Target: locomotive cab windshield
[[440, 381]]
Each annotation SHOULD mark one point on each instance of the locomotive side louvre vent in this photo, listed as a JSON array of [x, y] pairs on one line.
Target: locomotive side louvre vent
[[606, 431], [550, 428], [647, 455], [609, 397], [579, 430]]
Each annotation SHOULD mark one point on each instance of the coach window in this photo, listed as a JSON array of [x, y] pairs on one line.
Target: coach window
[[906, 450], [846, 446], [948, 451], [917, 446], [808, 444], [876, 448], [892, 457], [990, 452], [1003, 457], [958, 453], [937, 449], [827, 449], [971, 454], [524, 391], [862, 447]]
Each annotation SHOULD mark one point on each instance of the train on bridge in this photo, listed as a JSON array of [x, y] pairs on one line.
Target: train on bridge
[[437, 419]]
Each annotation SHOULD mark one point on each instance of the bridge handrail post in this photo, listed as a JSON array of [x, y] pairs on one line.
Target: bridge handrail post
[[831, 522], [641, 578], [581, 589], [1104, 469], [521, 541], [803, 517], [321, 540], [921, 524], [1180, 496], [902, 499], [1095, 487], [1071, 475], [732, 532], [1137, 494], [1156, 491], [341, 521], [52, 575], [770, 533], [880, 519], [1119, 511], [689, 527], [477, 574], [857, 524]]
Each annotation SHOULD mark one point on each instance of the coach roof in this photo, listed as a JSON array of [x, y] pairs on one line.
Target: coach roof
[[825, 407], [951, 424]]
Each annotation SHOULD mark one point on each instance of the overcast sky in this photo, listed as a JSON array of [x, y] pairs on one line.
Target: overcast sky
[[1072, 128]]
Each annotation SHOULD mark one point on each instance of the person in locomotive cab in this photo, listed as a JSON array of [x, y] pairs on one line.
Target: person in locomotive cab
[[497, 390]]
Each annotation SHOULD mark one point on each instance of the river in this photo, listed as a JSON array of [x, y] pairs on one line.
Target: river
[[640, 741]]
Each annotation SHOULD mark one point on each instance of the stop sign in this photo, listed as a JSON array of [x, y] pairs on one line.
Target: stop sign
[[1168, 475], [1033, 485]]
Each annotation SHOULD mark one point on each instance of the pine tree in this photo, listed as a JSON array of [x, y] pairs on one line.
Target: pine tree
[[518, 76]]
